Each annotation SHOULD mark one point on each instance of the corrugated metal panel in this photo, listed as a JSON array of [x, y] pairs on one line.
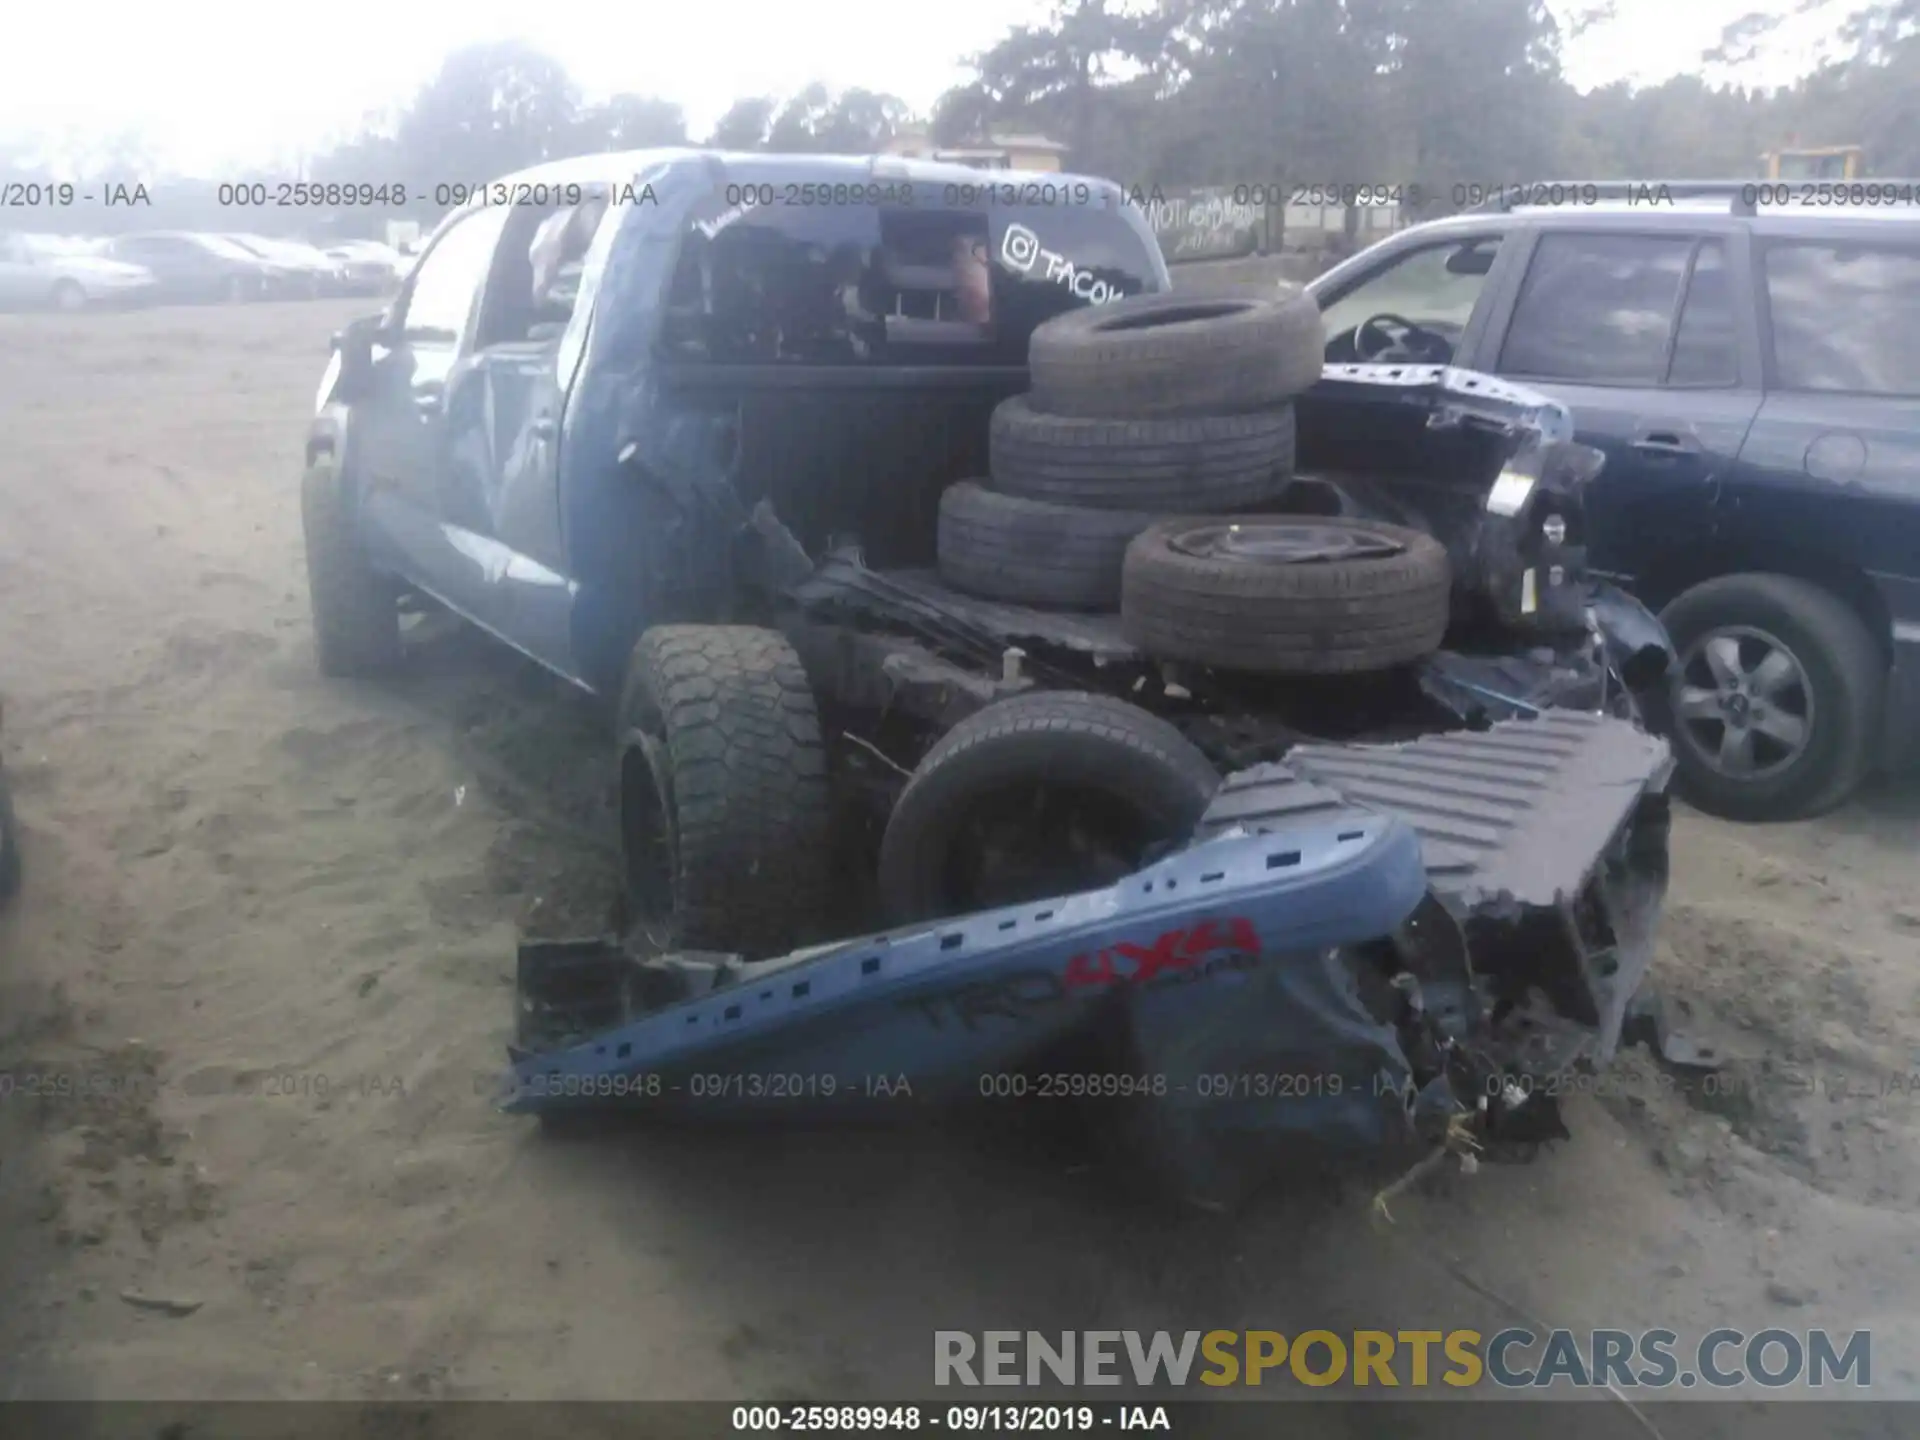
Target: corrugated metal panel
[[1522, 810]]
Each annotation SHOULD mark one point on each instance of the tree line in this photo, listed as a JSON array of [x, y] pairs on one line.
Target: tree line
[[1179, 93]]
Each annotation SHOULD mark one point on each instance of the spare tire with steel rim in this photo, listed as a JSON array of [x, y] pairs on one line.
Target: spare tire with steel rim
[[1286, 595], [1159, 355]]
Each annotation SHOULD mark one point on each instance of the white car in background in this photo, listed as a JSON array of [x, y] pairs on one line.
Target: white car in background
[[62, 273], [369, 267], [310, 272]]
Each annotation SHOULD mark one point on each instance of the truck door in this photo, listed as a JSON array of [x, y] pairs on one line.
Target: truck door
[[402, 431], [498, 465]]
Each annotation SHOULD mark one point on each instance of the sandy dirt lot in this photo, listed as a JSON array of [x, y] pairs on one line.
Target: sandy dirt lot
[[268, 930]]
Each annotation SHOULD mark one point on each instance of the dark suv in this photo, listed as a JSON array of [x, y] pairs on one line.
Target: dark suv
[[1752, 373]]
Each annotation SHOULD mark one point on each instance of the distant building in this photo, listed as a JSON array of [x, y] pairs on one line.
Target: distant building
[[996, 152]]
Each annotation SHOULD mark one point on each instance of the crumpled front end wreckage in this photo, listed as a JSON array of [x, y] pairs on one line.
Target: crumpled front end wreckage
[[1362, 948]]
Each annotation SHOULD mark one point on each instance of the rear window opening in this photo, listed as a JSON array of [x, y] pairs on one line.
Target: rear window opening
[[853, 285], [935, 268]]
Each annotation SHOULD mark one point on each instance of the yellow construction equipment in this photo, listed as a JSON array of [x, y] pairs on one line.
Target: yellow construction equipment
[[1825, 162]]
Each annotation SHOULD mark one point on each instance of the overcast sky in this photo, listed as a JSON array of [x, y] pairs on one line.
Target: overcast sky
[[216, 85]]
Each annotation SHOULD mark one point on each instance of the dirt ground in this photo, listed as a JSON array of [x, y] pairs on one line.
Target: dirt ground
[[263, 964]]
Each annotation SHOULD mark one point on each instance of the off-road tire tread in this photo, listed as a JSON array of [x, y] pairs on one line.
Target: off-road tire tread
[[1193, 466], [355, 609], [11, 865], [1339, 617], [751, 794]]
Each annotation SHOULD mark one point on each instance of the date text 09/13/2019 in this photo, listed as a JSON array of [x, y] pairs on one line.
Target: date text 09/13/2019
[[954, 1419]]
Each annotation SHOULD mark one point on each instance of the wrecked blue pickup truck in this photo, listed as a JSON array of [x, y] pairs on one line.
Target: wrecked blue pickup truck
[[1186, 709], [1364, 951]]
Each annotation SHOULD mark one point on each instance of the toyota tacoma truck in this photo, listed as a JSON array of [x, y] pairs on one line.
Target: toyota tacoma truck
[[942, 569]]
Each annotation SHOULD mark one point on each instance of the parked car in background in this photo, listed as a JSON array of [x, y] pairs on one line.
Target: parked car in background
[[52, 271], [1752, 372], [368, 267], [312, 272], [193, 267]]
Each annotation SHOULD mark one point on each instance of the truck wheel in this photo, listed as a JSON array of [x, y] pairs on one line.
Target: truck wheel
[[1036, 796], [724, 801], [69, 296], [1156, 355], [356, 610], [1286, 595], [1205, 465], [1775, 700], [9, 845], [1003, 548]]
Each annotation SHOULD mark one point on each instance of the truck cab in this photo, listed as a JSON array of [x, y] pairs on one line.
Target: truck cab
[[826, 333]]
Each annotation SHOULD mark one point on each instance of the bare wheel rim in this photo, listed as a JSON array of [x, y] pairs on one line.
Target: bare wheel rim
[[1291, 542], [1742, 703]]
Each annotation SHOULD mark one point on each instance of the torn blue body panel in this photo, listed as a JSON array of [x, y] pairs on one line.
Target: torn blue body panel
[[1364, 946], [1241, 925]]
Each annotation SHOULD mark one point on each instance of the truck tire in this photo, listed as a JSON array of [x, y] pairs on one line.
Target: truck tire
[[1155, 355], [1286, 595], [1210, 464], [1775, 699], [1000, 547], [724, 803], [356, 609], [10, 865], [1124, 783]]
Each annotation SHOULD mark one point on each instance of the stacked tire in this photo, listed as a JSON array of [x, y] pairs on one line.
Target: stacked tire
[[1117, 479], [1153, 406]]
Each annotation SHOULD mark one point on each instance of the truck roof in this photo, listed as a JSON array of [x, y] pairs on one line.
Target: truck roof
[[617, 166]]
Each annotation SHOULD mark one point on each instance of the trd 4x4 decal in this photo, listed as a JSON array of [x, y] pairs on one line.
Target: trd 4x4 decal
[[1177, 957], [1175, 951]]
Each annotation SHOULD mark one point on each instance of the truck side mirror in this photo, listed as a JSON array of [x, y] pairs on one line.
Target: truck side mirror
[[1473, 259], [354, 345]]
